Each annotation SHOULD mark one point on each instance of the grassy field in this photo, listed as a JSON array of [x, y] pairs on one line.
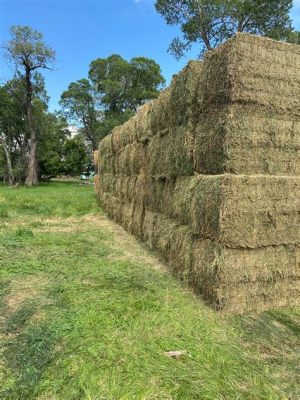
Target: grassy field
[[88, 313]]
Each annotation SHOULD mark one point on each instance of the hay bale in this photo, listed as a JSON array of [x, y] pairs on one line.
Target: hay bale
[[148, 228], [96, 158], [105, 145], [142, 123], [107, 183], [123, 135], [237, 211], [246, 146], [240, 211], [106, 163], [171, 154], [158, 194], [232, 280], [239, 71], [137, 220], [97, 185], [258, 296], [116, 139], [240, 141], [158, 118], [175, 105], [131, 159]]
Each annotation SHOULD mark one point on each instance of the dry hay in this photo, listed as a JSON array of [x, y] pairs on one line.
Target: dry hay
[[232, 280], [123, 135], [237, 211], [244, 70], [176, 104], [131, 159], [237, 139], [142, 123], [241, 211], [96, 157], [208, 175], [171, 154], [105, 146]]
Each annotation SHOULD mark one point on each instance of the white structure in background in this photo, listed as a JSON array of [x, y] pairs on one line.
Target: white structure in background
[[73, 130]]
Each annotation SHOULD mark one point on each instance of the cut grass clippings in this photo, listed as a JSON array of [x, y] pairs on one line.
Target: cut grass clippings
[[88, 313]]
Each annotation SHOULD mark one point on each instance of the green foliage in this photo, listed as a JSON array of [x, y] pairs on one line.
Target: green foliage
[[53, 136], [115, 90], [294, 37], [113, 119], [29, 53], [14, 135], [2, 164], [75, 156], [80, 105], [210, 23], [27, 46], [51, 130], [123, 84]]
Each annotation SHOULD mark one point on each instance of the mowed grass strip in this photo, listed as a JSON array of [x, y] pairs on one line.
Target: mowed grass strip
[[88, 313]]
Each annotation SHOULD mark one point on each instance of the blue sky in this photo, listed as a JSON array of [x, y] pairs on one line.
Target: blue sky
[[82, 30]]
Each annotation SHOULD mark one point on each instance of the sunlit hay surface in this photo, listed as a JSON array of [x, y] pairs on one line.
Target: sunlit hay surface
[[208, 175]]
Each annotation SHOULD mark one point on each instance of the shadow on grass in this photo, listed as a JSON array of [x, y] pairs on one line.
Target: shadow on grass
[[18, 319], [28, 347], [288, 322], [28, 356], [277, 325]]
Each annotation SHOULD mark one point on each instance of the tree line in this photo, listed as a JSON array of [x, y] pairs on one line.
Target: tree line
[[36, 144]]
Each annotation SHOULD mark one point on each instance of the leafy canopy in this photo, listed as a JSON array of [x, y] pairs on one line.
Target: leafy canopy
[[27, 48], [211, 22], [125, 84], [80, 105], [113, 92]]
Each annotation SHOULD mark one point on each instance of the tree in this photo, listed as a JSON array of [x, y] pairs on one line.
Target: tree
[[294, 37], [124, 85], [51, 132], [80, 105], [211, 22], [75, 156], [53, 136], [28, 52], [7, 117], [12, 129], [115, 90]]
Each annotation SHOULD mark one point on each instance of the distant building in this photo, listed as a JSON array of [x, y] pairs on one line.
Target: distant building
[[73, 130]]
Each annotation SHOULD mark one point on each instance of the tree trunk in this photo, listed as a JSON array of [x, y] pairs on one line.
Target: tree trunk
[[11, 178], [32, 176]]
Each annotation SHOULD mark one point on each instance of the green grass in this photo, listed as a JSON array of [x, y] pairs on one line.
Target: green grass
[[87, 313]]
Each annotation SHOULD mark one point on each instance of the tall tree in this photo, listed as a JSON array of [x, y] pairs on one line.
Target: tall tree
[[124, 85], [211, 22], [80, 105], [115, 90], [28, 52]]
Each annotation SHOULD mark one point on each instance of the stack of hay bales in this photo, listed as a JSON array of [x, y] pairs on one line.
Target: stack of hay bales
[[208, 175]]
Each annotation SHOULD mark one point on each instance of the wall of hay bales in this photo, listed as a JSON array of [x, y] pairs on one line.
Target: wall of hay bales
[[208, 175]]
